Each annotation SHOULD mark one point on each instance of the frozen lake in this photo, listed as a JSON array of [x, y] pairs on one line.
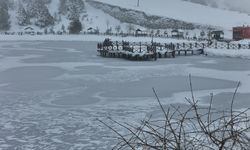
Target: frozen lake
[[51, 93]]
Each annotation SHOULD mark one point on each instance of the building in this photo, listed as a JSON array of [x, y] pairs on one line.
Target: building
[[240, 33], [177, 33], [139, 32], [217, 35], [29, 30], [90, 30]]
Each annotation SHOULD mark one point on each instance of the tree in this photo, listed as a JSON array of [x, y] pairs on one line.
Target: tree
[[4, 15], [202, 33], [109, 31], [130, 28], [118, 28], [158, 32], [44, 18], [194, 127], [62, 9], [73, 8], [51, 30], [38, 10], [63, 29], [107, 23], [97, 31], [73, 14], [45, 31], [22, 16], [75, 27]]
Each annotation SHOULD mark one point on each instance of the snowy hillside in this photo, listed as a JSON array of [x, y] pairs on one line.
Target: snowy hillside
[[186, 11], [157, 14], [90, 18]]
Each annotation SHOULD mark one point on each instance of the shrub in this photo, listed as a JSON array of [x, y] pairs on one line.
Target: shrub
[[75, 27], [193, 128]]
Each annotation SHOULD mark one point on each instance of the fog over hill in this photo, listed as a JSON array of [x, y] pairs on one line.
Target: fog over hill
[[235, 5]]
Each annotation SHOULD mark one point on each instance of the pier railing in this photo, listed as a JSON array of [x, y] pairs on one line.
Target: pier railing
[[153, 50]]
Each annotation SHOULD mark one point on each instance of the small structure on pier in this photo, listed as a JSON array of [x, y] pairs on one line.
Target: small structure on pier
[[217, 35]]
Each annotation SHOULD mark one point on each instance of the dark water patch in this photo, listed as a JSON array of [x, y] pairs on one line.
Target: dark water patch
[[95, 70], [76, 99], [225, 64], [223, 100], [28, 74], [165, 86], [32, 86]]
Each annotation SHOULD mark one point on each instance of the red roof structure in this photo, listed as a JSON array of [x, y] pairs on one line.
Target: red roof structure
[[240, 33]]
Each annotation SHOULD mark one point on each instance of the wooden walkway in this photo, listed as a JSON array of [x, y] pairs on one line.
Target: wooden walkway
[[148, 51]]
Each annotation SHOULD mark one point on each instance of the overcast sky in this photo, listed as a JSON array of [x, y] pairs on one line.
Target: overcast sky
[[239, 5], [242, 4]]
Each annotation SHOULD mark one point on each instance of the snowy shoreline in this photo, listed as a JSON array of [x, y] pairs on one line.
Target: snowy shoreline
[[231, 53], [89, 38]]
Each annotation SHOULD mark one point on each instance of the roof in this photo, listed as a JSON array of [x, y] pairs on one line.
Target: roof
[[28, 28], [176, 30], [217, 32], [242, 27], [138, 30], [90, 28]]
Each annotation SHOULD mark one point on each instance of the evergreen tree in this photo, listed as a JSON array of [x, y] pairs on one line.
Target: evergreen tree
[[42, 15], [22, 16], [75, 27], [71, 8], [44, 18], [62, 9], [32, 7], [45, 31], [4, 15], [73, 13], [118, 28], [63, 29], [37, 9]]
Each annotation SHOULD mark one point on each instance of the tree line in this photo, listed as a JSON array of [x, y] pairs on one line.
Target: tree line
[[36, 12]]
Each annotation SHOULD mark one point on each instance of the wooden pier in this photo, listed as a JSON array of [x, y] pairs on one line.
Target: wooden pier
[[147, 51]]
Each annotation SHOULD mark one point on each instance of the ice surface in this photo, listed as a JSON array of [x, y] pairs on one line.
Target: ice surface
[[51, 92]]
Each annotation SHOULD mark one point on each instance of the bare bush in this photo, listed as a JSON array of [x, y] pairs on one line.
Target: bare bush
[[189, 129]]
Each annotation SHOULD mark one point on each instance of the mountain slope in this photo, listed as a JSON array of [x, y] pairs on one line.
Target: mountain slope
[[185, 11], [90, 18], [150, 14], [143, 19]]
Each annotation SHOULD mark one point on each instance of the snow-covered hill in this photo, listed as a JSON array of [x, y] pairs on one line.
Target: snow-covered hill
[[177, 13], [90, 18], [186, 11]]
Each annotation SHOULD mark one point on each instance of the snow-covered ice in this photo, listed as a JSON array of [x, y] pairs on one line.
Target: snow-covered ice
[[234, 53], [52, 92]]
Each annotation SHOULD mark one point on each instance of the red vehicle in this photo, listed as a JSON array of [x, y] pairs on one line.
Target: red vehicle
[[240, 33]]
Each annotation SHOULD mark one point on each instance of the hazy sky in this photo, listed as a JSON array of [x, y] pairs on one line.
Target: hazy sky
[[242, 4], [239, 5]]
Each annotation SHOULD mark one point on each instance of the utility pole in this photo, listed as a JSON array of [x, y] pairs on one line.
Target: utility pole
[[138, 3]]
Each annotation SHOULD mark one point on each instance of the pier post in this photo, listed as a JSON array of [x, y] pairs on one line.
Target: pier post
[[117, 46], [140, 47]]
